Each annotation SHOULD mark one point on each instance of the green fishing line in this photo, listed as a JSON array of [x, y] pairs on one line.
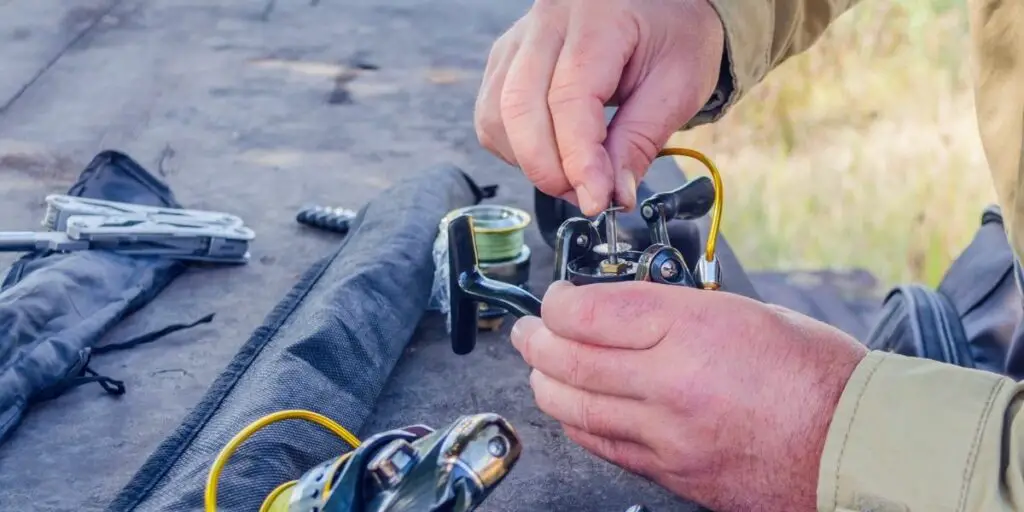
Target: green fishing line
[[499, 246], [499, 232]]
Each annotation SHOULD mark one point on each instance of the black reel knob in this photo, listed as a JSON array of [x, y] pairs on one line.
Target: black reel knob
[[688, 202]]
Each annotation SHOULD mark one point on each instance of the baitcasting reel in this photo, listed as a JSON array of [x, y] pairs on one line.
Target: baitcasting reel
[[583, 256]]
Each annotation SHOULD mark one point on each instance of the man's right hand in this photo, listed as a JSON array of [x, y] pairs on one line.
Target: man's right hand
[[549, 77]]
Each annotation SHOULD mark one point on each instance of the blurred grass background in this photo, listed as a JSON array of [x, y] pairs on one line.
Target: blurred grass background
[[861, 152]]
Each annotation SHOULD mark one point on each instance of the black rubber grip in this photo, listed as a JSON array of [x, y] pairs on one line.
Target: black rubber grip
[[690, 201], [337, 220]]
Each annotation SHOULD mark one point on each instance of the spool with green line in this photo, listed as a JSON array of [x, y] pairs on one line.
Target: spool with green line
[[499, 234]]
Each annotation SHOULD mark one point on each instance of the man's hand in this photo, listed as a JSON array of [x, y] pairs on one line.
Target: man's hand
[[719, 398], [541, 104]]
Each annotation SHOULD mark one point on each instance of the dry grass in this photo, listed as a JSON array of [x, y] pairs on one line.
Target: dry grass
[[861, 152]]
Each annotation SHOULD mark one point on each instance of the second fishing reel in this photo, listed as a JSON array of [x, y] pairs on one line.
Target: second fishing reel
[[588, 252]]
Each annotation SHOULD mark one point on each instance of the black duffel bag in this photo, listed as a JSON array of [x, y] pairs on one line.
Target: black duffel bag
[[972, 319]]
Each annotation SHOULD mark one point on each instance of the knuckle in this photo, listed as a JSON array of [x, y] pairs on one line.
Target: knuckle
[[530, 347], [487, 127], [573, 361], [497, 51], [551, 182], [486, 140], [624, 306], [539, 396], [588, 414], [637, 301], [483, 118], [641, 146], [515, 103], [580, 165], [508, 40], [625, 458], [585, 309], [564, 90]]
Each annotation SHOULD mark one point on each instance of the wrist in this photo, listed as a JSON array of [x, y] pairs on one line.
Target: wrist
[[726, 91], [831, 385], [720, 90]]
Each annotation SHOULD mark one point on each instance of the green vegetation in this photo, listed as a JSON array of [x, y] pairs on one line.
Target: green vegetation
[[861, 152]]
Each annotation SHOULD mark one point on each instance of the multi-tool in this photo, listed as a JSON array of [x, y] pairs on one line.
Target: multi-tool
[[78, 224]]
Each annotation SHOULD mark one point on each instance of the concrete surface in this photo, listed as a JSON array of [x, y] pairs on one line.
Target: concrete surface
[[256, 108]]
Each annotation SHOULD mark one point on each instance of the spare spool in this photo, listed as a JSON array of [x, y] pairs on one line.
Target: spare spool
[[499, 234]]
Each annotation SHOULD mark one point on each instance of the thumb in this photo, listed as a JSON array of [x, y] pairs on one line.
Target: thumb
[[658, 107], [627, 315]]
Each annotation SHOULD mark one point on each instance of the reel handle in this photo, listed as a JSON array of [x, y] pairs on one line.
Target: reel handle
[[468, 286], [690, 201]]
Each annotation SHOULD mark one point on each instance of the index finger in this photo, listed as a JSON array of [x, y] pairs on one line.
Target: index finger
[[524, 109], [631, 315], [601, 370], [586, 77]]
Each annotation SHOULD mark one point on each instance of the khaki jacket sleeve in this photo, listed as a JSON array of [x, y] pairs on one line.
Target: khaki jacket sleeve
[[760, 35], [915, 435], [997, 59]]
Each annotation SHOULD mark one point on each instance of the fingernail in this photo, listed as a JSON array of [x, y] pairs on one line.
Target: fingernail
[[521, 329], [516, 332], [587, 202], [557, 285], [625, 187]]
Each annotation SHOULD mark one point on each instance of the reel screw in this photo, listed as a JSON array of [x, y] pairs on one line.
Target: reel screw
[[393, 463], [497, 446], [582, 240], [669, 270]]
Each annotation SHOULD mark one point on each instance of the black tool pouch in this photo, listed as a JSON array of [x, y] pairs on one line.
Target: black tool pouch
[[971, 320], [56, 307]]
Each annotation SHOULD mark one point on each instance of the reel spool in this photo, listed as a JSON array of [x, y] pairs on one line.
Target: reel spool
[[499, 239]]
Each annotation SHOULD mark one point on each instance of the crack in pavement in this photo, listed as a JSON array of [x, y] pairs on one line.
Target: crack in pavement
[[53, 60]]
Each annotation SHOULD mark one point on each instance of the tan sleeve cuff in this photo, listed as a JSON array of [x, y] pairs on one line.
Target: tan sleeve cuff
[[745, 62], [906, 435]]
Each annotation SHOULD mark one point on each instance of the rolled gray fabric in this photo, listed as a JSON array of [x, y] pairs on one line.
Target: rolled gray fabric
[[328, 346]]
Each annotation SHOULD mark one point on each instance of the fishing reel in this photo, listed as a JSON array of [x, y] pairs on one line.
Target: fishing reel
[[409, 469], [412, 469], [583, 256]]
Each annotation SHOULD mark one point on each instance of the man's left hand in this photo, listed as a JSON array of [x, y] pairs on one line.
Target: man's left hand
[[721, 399]]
